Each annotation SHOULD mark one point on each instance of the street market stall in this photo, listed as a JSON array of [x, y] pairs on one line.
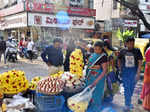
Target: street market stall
[[45, 94]]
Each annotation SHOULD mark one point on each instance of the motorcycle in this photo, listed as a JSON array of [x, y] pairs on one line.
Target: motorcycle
[[24, 54], [35, 54], [11, 51], [12, 55]]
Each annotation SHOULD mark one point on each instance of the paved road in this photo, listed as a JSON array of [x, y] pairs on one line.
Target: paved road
[[38, 68]]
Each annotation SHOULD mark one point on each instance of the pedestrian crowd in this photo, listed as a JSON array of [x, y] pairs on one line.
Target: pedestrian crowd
[[25, 46], [105, 67]]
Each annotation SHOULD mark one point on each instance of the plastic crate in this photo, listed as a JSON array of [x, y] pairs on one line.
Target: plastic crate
[[49, 103]]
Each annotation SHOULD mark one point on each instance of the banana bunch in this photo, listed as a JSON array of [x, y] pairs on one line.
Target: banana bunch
[[57, 75], [33, 83], [76, 63], [13, 82]]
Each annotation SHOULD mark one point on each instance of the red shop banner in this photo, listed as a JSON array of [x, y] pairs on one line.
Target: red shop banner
[[50, 8], [38, 7], [81, 11]]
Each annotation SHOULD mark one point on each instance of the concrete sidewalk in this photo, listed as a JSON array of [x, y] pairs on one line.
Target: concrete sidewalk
[[118, 103]]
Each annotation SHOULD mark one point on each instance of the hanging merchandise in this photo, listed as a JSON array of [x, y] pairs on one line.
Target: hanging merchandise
[[123, 35], [76, 63]]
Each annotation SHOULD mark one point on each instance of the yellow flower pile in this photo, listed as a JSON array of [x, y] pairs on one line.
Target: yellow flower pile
[[34, 82], [13, 82], [1, 94], [78, 106], [57, 75], [76, 63]]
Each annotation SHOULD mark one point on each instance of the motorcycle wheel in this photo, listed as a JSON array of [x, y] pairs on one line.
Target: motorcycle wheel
[[21, 55], [13, 60], [35, 56]]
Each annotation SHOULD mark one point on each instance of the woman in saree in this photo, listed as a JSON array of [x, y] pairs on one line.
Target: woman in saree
[[97, 69], [146, 86]]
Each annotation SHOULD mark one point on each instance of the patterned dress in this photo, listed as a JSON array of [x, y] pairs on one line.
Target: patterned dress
[[145, 95], [98, 94]]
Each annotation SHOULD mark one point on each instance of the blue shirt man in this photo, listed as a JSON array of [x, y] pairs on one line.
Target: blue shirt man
[[53, 56]]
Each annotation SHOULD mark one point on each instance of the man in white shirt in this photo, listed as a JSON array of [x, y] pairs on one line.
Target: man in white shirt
[[30, 47]]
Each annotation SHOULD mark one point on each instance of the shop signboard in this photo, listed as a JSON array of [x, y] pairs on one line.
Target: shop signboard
[[81, 11], [14, 21], [76, 3], [50, 8], [144, 7], [39, 7], [117, 23], [12, 10], [148, 7], [130, 23], [46, 20]]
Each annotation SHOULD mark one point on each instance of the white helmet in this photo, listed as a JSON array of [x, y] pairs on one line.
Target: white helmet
[[10, 38]]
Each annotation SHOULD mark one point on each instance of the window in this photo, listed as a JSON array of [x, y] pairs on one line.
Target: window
[[114, 4], [76, 3], [90, 4]]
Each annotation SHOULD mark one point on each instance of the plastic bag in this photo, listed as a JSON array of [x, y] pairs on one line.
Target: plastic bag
[[80, 101]]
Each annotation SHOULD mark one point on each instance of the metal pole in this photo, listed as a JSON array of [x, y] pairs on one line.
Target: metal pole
[[19, 35]]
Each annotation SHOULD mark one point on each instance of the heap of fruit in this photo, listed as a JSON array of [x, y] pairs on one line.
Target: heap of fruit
[[50, 86], [76, 63], [34, 82], [72, 82], [13, 82]]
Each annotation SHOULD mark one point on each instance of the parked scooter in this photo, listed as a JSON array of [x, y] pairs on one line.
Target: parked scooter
[[35, 54], [11, 50]]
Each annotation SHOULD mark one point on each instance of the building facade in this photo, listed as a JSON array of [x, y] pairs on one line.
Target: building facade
[[48, 19], [106, 9]]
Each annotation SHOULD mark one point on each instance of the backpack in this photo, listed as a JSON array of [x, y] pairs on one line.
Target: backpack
[[2, 45]]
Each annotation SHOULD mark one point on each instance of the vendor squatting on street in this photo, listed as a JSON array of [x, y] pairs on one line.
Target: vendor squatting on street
[[53, 56]]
